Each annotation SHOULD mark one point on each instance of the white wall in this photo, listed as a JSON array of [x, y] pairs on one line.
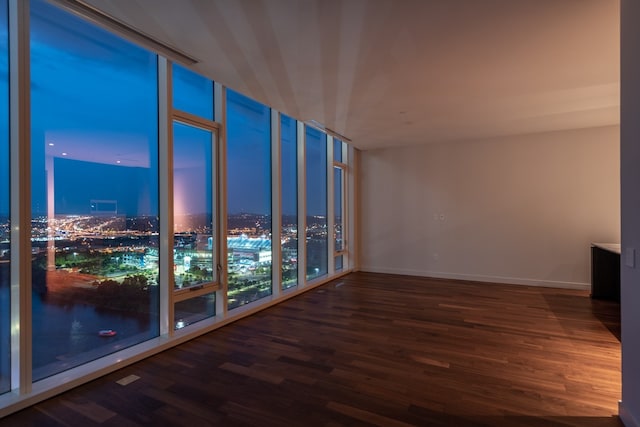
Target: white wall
[[630, 179], [518, 209]]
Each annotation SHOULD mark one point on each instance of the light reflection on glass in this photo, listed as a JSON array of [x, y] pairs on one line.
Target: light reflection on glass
[[94, 192], [193, 310], [193, 239]]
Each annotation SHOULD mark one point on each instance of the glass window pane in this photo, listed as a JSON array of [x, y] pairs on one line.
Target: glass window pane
[[194, 310], [95, 191], [338, 262], [338, 208], [337, 150], [192, 92], [248, 199], [289, 166], [193, 241], [316, 163], [5, 312]]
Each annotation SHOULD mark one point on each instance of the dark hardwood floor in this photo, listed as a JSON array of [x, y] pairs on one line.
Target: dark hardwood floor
[[374, 349]]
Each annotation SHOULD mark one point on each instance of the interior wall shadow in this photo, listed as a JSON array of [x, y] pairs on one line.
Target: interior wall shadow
[[570, 309]]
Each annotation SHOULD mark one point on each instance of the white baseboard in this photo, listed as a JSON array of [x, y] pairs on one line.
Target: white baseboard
[[626, 417], [480, 278]]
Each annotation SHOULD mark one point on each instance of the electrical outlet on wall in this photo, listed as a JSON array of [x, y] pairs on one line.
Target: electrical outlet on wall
[[630, 257]]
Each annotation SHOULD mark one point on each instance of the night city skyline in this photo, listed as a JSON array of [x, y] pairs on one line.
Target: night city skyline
[[111, 136]]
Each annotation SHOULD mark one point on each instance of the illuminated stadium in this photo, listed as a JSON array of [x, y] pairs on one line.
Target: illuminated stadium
[[256, 249]]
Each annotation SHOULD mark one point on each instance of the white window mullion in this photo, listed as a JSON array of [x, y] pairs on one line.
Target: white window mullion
[[347, 225], [331, 244], [215, 214], [220, 116], [20, 161], [342, 167], [165, 177], [351, 211], [302, 206], [343, 213]]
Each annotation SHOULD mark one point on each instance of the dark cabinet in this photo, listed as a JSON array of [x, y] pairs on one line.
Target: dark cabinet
[[605, 271]]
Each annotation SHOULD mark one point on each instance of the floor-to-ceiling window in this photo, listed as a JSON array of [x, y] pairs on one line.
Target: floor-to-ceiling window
[[94, 182], [128, 214], [5, 303], [316, 179], [248, 199], [289, 200], [194, 198]]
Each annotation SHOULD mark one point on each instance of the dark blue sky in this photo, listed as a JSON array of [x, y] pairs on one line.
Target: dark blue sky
[[192, 92], [289, 164], [316, 164], [93, 101], [94, 110], [248, 155]]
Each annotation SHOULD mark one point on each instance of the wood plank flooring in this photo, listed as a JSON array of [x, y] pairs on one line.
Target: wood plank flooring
[[375, 349]]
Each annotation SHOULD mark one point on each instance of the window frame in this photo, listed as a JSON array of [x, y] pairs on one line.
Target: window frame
[[168, 116], [23, 390], [214, 285]]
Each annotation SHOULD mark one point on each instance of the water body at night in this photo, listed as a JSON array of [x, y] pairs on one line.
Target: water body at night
[[70, 334], [94, 288]]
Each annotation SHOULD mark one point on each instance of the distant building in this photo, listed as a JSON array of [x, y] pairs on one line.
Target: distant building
[[135, 259], [257, 249]]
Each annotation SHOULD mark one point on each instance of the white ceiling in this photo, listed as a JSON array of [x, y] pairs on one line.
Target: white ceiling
[[390, 73]]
